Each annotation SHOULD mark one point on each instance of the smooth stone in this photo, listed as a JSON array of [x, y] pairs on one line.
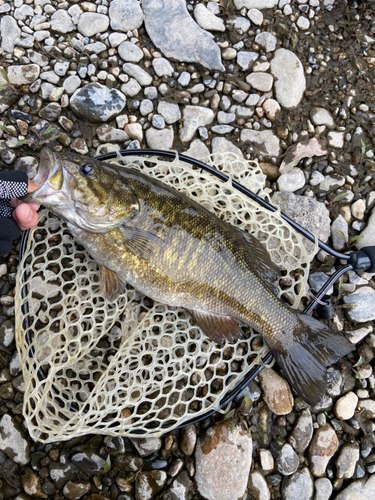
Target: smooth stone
[[10, 31], [264, 142], [258, 487], [96, 103], [323, 489], [149, 484], [125, 15], [299, 486], [75, 491], [193, 118], [116, 39], [266, 41], [331, 182], [207, 20], [50, 112], [188, 440], [146, 446], [320, 116], [367, 408], [21, 13], [95, 48], [160, 139], [130, 52], [158, 121], [181, 488], [287, 462], [162, 67], [131, 88], [316, 178], [220, 145], [106, 133], [62, 22], [246, 59], [170, 112], [271, 108], [198, 149], [339, 233], [345, 407], [318, 280], [358, 209], [223, 461], [23, 74], [302, 433], [7, 333], [255, 4], [266, 459], [12, 440], [347, 460], [222, 129], [367, 238], [164, 18], [255, 16], [322, 448], [142, 77], [358, 334], [89, 462], [336, 139], [91, 23], [292, 181], [260, 81], [71, 84], [276, 392], [184, 79], [146, 107], [303, 23], [363, 301], [134, 131], [364, 489], [290, 81], [225, 118]]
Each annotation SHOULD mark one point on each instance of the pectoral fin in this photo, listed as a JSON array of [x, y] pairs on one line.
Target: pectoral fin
[[218, 328], [112, 285], [142, 243]]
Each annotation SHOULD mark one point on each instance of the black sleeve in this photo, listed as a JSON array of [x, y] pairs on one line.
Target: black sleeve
[[13, 184]]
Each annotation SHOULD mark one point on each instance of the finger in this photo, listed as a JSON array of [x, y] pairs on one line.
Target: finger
[[31, 186], [14, 202], [25, 216]]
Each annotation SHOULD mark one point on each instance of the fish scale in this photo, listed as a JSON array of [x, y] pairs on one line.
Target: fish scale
[[173, 250]]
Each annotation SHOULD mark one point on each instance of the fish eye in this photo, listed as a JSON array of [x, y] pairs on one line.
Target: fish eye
[[86, 170]]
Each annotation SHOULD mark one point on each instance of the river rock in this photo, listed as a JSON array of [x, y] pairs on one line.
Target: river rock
[[96, 103], [322, 448], [142, 77], [162, 67], [290, 81], [299, 486], [266, 41], [364, 489], [12, 440], [125, 15], [246, 59], [260, 81], [188, 440], [91, 23], [149, 484], [23, 74], [345, 407], [264, 142], [347, 460], [287, 462], [88, 461], [258, 487], [160, 139], [223, 460], [320, 116], [323, 489], [130, 52], [340, 233], [367, 238], [62, 22], [363, 302], [291, 181], [193, 118], [276, 392], [198, 150], [165, 18], [207, 20], [170, 112], [255, 4], [74, 491], [10, 31], [301, 435]]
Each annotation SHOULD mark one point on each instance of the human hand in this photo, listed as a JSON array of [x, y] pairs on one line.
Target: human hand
[[25, 214]]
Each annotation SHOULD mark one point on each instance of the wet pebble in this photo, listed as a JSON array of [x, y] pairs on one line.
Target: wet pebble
[[276, 392], [287, 463], [301, 435], [363, 305], [149, 484], [345, 407], [258, 487], [88, 461], [146, 446], [74, 491], [13, 441], [188, 440], [322, 447]]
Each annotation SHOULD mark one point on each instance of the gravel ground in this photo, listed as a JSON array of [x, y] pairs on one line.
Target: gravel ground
[[265, 79]]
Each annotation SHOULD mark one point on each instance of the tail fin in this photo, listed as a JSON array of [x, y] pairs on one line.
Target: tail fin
[[312, 349]]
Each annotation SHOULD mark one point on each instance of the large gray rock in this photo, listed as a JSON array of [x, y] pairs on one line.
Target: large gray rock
[[223, 460], [308, 212], [264, 142], [23, 74], [91, 23], [299, 486], [125, 15], [363, 302], [364, 489], [12, 440], [174, 32], [62, 22], [322, 448], [9, 32], [290, 81], [97, 103], [160, 139]]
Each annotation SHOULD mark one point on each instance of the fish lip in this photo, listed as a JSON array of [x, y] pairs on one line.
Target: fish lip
[[47, 168]]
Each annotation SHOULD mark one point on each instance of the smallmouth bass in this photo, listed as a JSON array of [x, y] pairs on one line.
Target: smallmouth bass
[[174, 251]]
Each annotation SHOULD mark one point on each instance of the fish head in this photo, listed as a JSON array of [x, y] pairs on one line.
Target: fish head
[[83, 191]]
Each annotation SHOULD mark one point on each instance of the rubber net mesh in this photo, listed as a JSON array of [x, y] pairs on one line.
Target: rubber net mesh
[[135, 366]]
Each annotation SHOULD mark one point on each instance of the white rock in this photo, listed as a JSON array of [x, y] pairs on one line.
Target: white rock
[[367, 238], [276, 392], [255, 4], [323, 487], [258, 487], [10, 31], [320, 116], [292, 181], [347, 460], [339, 233], [106, 133], [199, 150], [271, 108], [134, 131], [142, 77], [130, 52], [358, 209], [125, 15], [364, 489], [160, 139], [162, 67], [266, 41], [245, 59], [23, 74], [255, 16], [207, 20], [71, 84], [264, 142], [345, 407], [322, 448], [193, 118], [336, 139], [131, 88], [290, 82], [170, 112], [91, 23], [62, 22], [303, 23], [12, 441], [260, 81]]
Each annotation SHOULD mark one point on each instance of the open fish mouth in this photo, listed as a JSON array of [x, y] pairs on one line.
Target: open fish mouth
[[50, 175]]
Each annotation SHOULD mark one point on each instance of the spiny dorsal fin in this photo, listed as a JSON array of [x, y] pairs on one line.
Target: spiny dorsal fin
[[112, 285], [218, 328], [141, 243]]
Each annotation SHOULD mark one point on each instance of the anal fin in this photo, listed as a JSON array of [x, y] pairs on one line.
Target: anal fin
[[218, 328], [112, 285]]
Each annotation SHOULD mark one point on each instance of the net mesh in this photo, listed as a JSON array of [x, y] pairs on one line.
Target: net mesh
[[135, 366]]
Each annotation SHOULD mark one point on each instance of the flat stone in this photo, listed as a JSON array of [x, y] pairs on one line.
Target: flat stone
[[71, 84], [331, 182], [264, 142], [96, 103], [363, 301], [367, 408], [149, 484], [323, 489], [345, 407], [258, 487], [130, 52], [23, 74], [193, 118], [260, 81], [146, 446], [89, 462], [255, 4], [322, 448], [299, 486], [339, 232], [301, 435], [266, 41], [221, 145], [134, 131], [74, 491], [287, 462], [198, 149], [336, 139], [223, 461], [163, 21], [255, 16], [62, 22], [358, 209], [246, 59], [170, 112], [367, 238], [364, 489], [271, 109], [207, 20], [106, 133], [131, 88], [160, 139], [91, 23], [292, 181], [290, 81], [266, 459], [347, 460], [12, 440], [10, 31], [320, 116], [142, 77], [162, 67], [276, 392], [125, 15]]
